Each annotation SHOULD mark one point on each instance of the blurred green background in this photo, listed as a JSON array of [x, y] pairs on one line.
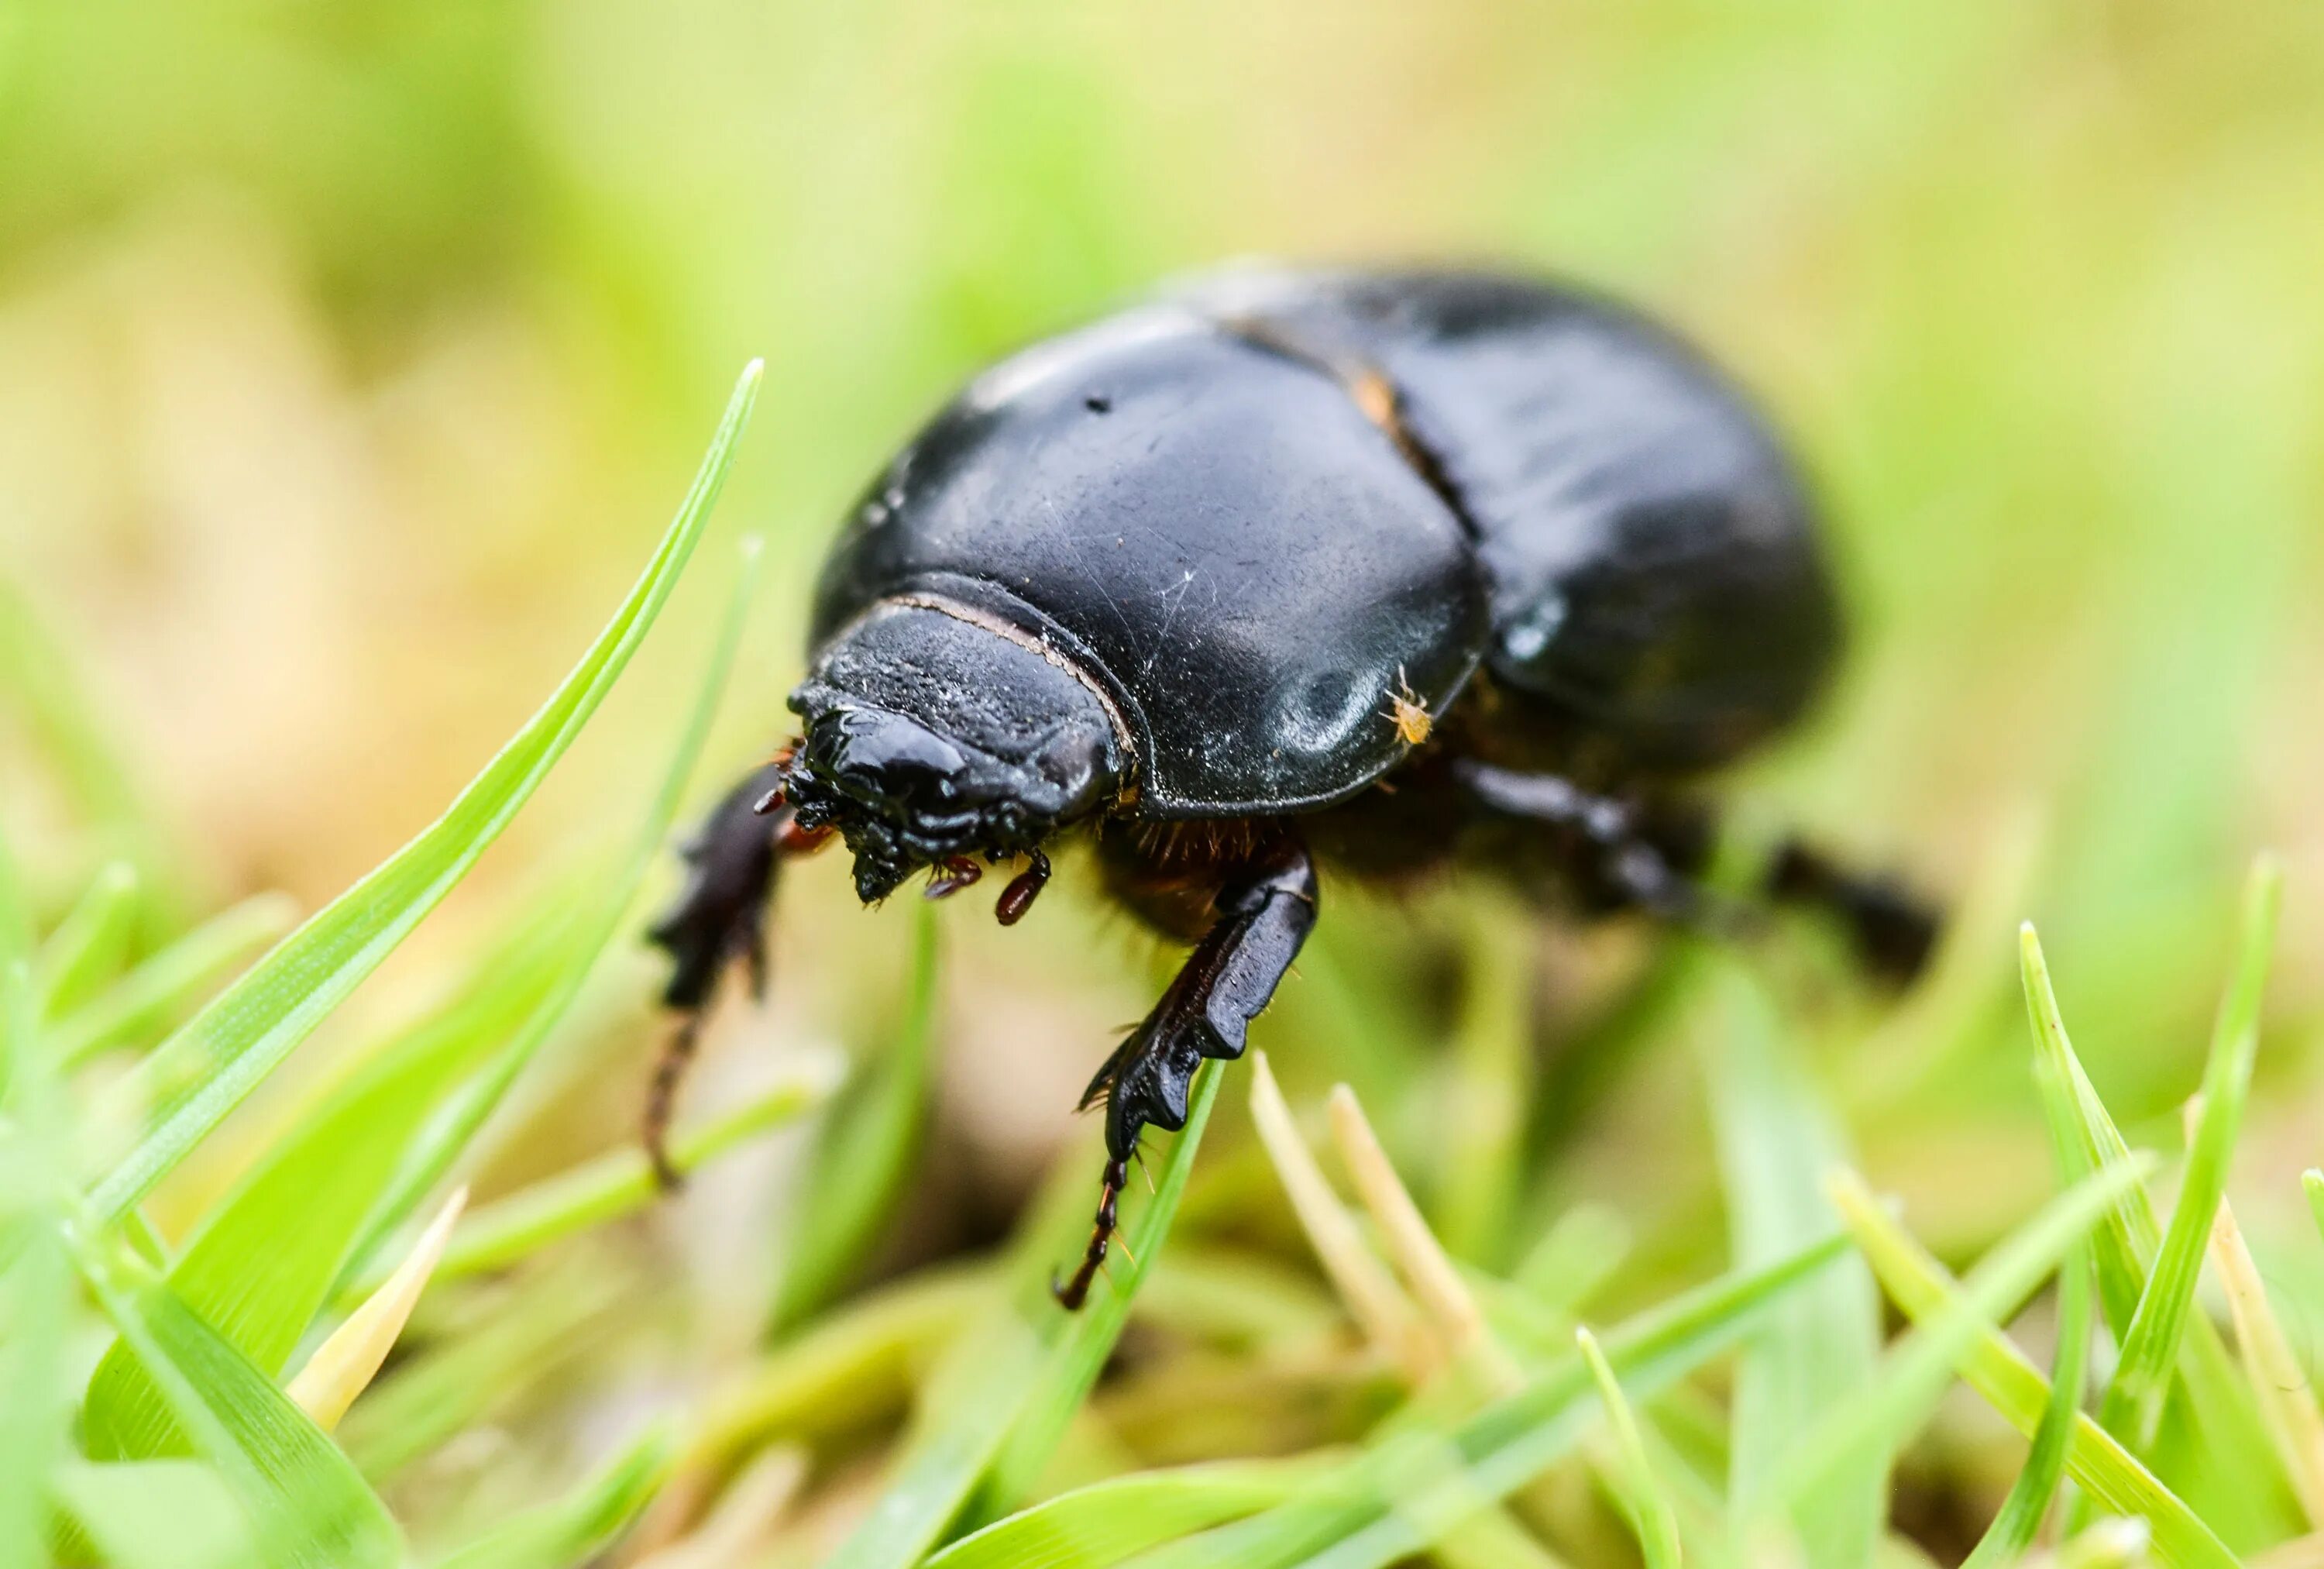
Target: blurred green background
[[350, 356]]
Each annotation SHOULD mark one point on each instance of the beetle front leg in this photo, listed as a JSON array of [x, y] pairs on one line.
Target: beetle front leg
[[719, 918], [1264, 916]]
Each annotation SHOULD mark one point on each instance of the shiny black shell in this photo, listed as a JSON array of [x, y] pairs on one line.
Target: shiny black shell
[[1198, 503]]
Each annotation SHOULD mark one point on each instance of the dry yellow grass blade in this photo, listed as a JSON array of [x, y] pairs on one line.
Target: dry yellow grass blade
[[1376, 1303], [2287, 1401], [1413, 1247], [2279, 1380], [344, 1366]]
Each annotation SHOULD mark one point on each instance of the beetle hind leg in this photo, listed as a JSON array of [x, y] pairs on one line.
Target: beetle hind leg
[[1264, 915], [719, 919], [1892, 930]]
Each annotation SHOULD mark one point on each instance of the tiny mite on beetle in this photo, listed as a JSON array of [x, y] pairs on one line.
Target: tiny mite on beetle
[[1399, 569]]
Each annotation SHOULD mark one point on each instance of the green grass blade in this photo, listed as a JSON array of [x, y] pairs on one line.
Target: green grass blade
[[258, 1267], [1993, 1366], [864, 1157], [448, 1135], [1904, 1389], [266, 1260], [2132, 1406], [1009, 1388], [205, 1070], [1094, 1526], [1777, 1141], [2019, 1520], [305, 1502], [2226, 1417], [574, 1529], [1652, 1516], [616, 1184], [2312, 1183], [137, 1005], [88, 945], [2127, 1243], [156, 1514]]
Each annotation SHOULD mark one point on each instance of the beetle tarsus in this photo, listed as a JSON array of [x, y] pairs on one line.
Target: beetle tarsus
[[1074, 1292]]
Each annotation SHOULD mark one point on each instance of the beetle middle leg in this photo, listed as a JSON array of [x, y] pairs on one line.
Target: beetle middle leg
[[719, 918], [1651, 864], [1264, 910], [1625, 861]]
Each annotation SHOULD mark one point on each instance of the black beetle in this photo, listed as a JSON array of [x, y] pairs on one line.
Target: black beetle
[[1369, 570]]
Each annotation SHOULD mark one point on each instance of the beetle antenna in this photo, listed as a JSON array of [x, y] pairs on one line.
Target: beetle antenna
[[1075, 1291]]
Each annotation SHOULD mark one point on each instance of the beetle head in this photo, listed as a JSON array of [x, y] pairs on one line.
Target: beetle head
[[930, 737]]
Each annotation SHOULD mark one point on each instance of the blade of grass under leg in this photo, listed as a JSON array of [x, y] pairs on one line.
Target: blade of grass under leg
[[1011, 1386], [2132, 1406], [1083, 1343], [1993, 1366], [202, 1073]]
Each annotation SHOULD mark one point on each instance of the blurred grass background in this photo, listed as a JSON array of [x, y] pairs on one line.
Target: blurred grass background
[[348, 354]]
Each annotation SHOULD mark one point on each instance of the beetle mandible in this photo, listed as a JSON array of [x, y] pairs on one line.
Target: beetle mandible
[[1369, 571]]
